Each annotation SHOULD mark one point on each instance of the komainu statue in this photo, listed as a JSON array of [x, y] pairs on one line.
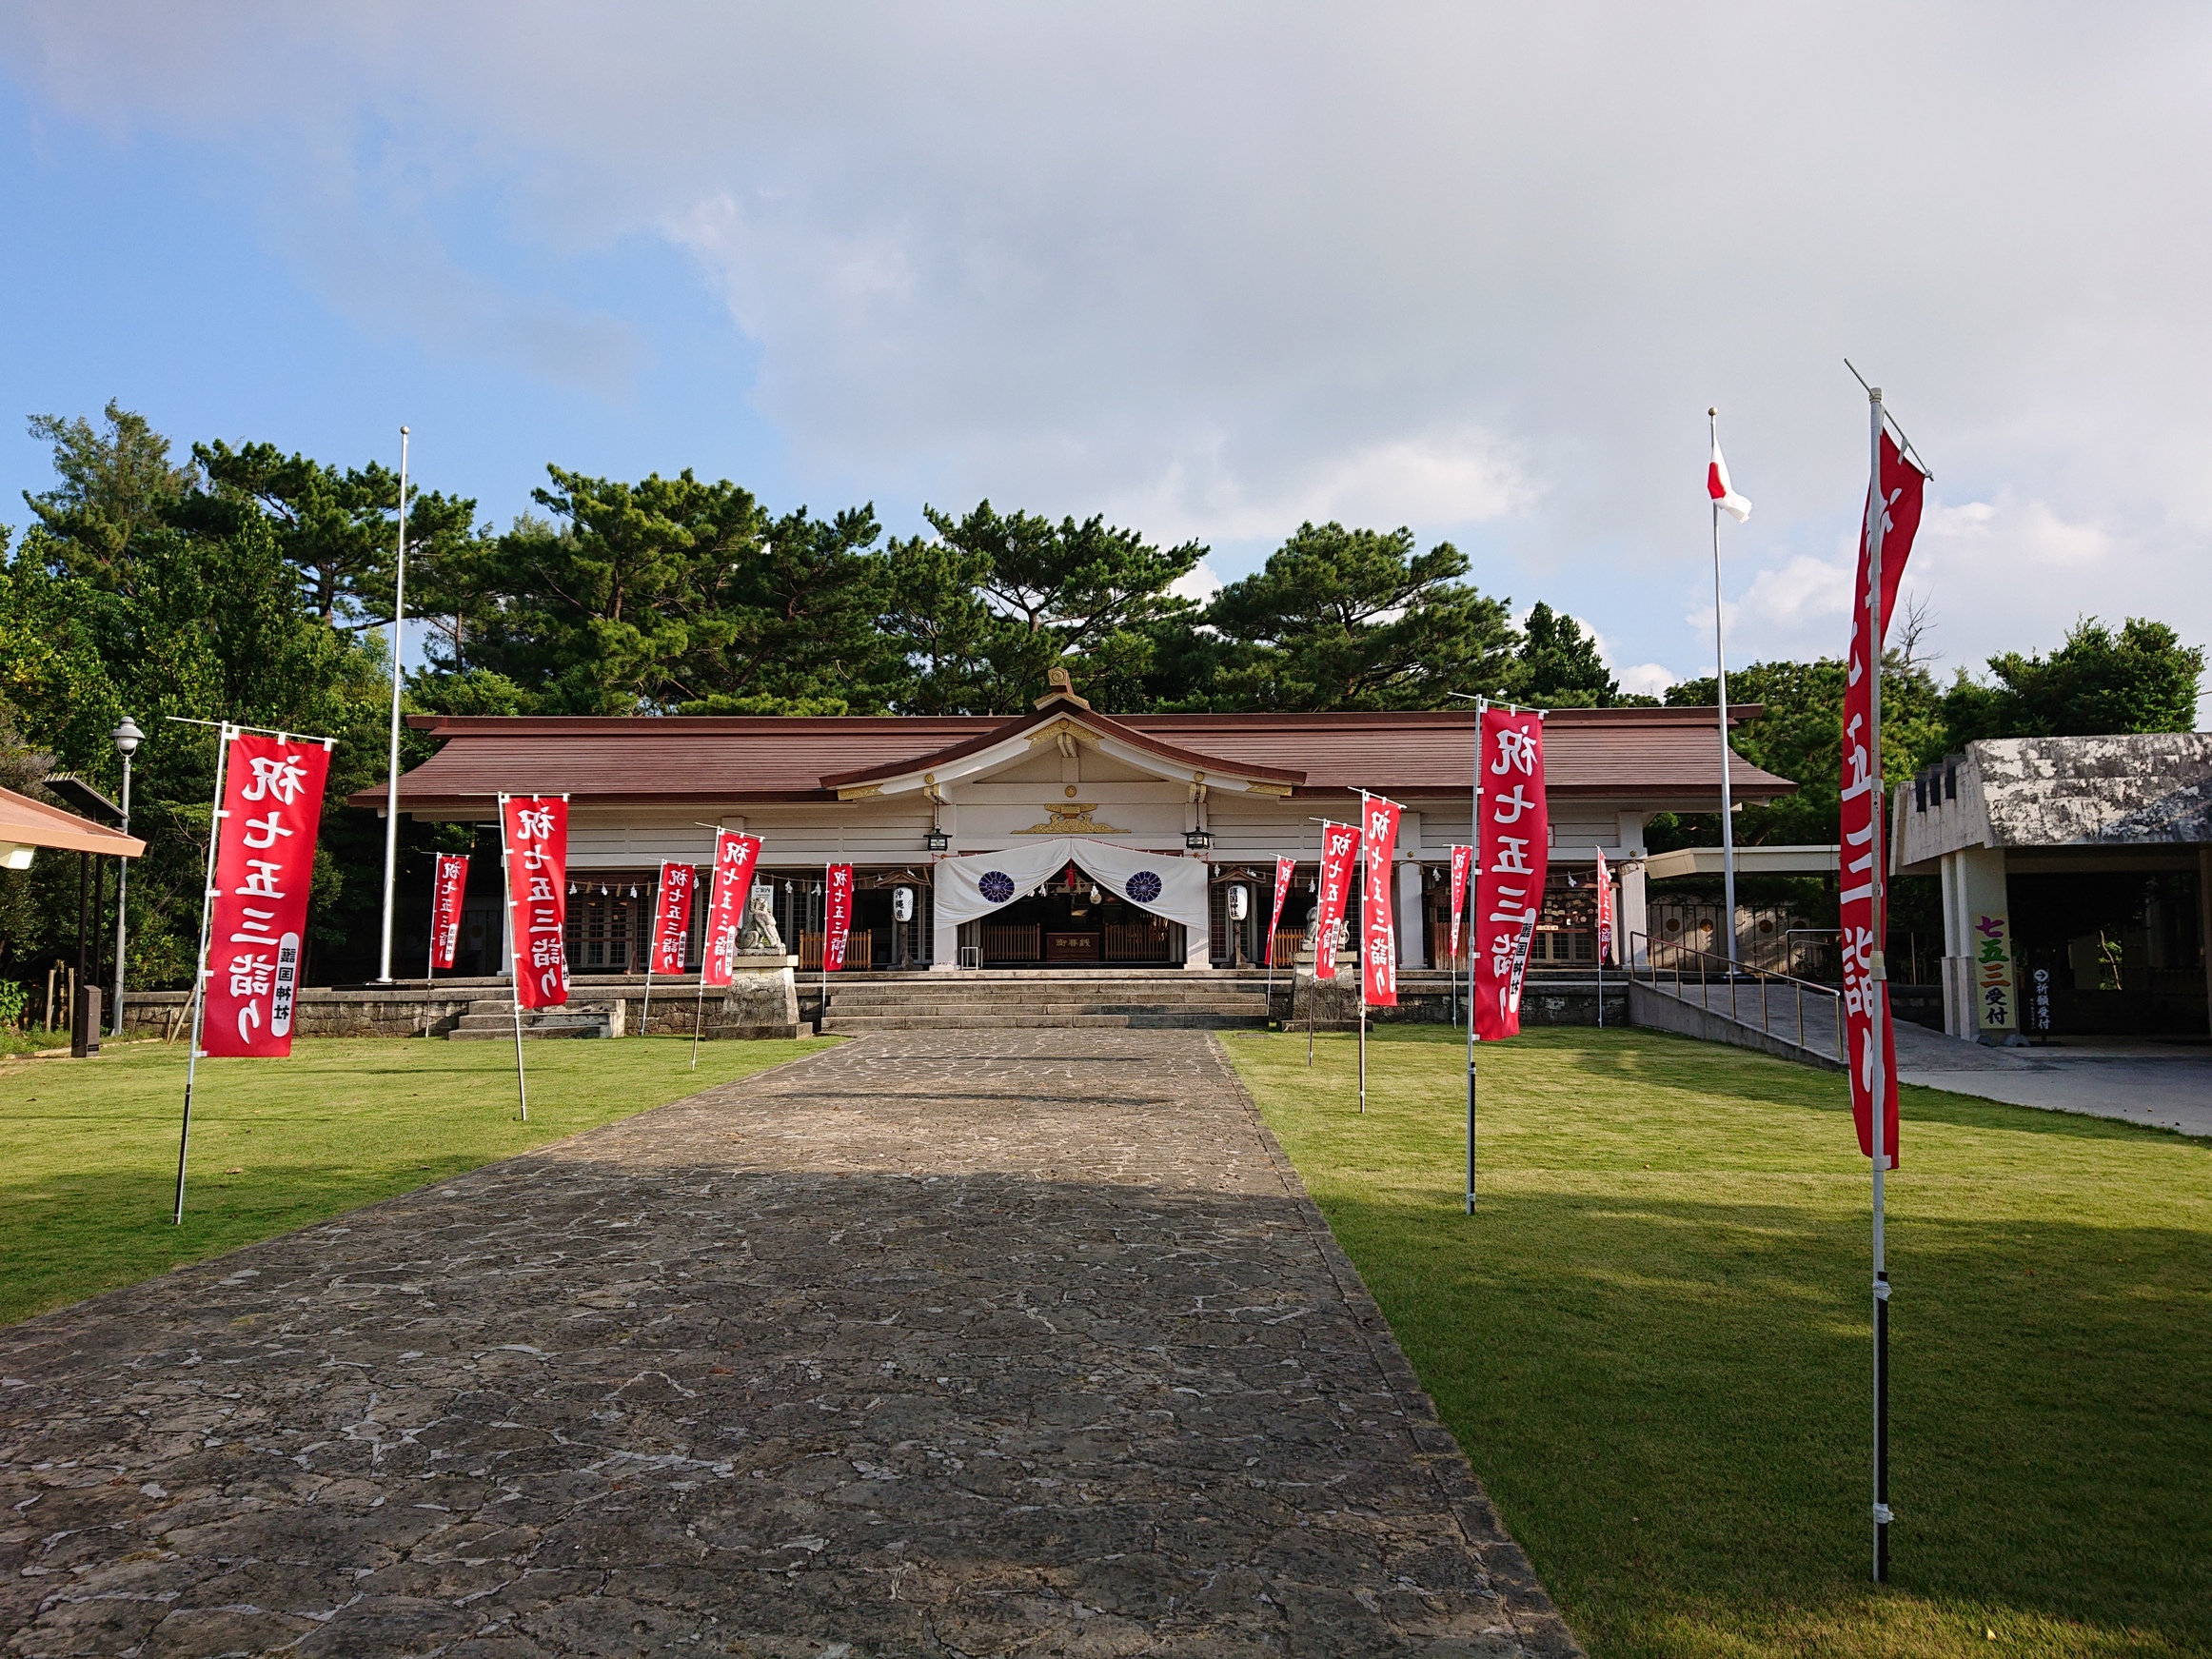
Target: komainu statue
[[757, 935]]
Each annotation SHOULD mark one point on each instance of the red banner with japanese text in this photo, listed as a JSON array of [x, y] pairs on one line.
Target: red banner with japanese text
[[1604, 911], [838, 918], [1339, 841], [1863, 921], [672, 918], [1462, 861], [736, 857], [1512, 858], [1286, 873], [1378, 953], [448, 887], [257, 914], [534, 837]]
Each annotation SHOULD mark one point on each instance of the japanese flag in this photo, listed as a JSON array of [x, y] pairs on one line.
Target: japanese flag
[[1717, 486]]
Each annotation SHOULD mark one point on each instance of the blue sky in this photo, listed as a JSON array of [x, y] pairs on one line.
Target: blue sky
[[1209, 271]]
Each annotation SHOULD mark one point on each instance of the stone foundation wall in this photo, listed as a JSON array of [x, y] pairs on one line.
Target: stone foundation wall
[[1431, 998], [762, 1001]]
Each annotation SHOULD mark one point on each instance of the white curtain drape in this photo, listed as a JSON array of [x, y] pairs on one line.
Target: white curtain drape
[[975, 884]]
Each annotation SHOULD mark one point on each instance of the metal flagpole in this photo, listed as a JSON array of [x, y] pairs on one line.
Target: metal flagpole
[[391, 808], [1312, 991], [199, 975], [1878, 975], [1720, 680], [431, 956], [705, 943], [1604, 893], [1474, 873], [1363, 922], [514, 965], [652, 948]]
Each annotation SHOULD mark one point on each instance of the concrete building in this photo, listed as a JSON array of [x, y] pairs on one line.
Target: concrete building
[[2077, 879]]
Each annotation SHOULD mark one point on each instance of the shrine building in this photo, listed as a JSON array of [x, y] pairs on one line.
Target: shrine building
[[1171, 813]]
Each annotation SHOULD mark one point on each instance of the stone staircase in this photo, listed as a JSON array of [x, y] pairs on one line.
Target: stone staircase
[[999, 1000], [492, 1019]]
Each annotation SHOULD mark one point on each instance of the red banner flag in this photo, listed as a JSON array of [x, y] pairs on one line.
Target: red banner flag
[[265, 862], [1338, 843], [1286, 873], [448, 886], [734, 859], [672, 918], [838, 918], [1605, 912], [1511, 857], [534, 841], [1864, 926], [1462, 860], [1379, 942]]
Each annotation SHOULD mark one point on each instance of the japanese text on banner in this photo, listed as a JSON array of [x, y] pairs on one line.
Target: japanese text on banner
[[265, 860], [1512, 859], [839, 919], [1462, 861], [1338, 843], [1286, 871], [535, 828], [1379, 945], [1866, 998], [672, 918], [450, 888], [1605, 912], [736, 855]]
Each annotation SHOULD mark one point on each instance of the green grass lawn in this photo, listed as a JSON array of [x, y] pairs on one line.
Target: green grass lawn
[[1653, 1342], [88, 1148]]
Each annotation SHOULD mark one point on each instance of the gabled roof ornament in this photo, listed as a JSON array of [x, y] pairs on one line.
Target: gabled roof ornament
[[1060, 688]]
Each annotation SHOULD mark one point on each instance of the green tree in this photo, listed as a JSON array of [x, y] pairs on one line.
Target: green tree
[[611, 608], [1356, 619], [339, 529], [116, 486], [1560, 665], [1036, 595], [1798, 735], [802, 610], [2141, 679]]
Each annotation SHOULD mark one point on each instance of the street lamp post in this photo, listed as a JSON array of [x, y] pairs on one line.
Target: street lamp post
[[128, 737]]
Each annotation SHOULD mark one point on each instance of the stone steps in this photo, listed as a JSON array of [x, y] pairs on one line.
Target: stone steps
[[492, 1019], [1031, 1000], [857, 1024]]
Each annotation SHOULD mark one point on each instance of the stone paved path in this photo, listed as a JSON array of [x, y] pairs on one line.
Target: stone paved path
[[962, 1344]]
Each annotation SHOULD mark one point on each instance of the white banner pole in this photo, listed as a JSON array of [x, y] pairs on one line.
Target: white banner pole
[[1473, 877], [1363, 927], [200, 967], [514, 964], [705, 940], [1878, 983]]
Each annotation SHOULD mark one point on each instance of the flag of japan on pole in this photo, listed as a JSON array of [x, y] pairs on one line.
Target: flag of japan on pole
[[1512, 859], [534, 837], [1339, 844], [838, 927], [1286, 872], [1865, 922], [672, 917], [448, 887], [1717, 486], [735, 857], [265, 862], [1462, 862], [1605, 913], [1379, 944]]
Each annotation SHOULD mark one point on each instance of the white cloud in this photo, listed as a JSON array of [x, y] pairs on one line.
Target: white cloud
[[1217, 269]]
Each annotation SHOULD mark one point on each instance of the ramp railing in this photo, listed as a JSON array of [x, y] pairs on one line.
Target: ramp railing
[[1700, 977]]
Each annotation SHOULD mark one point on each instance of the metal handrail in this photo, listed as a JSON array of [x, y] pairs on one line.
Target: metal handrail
[[1643, 963]]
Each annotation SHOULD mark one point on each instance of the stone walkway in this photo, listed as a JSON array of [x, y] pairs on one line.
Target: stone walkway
[[966, 1344]]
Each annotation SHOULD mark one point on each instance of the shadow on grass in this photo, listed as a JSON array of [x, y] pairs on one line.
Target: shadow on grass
[[1717, 1070], [1669, 1401]]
